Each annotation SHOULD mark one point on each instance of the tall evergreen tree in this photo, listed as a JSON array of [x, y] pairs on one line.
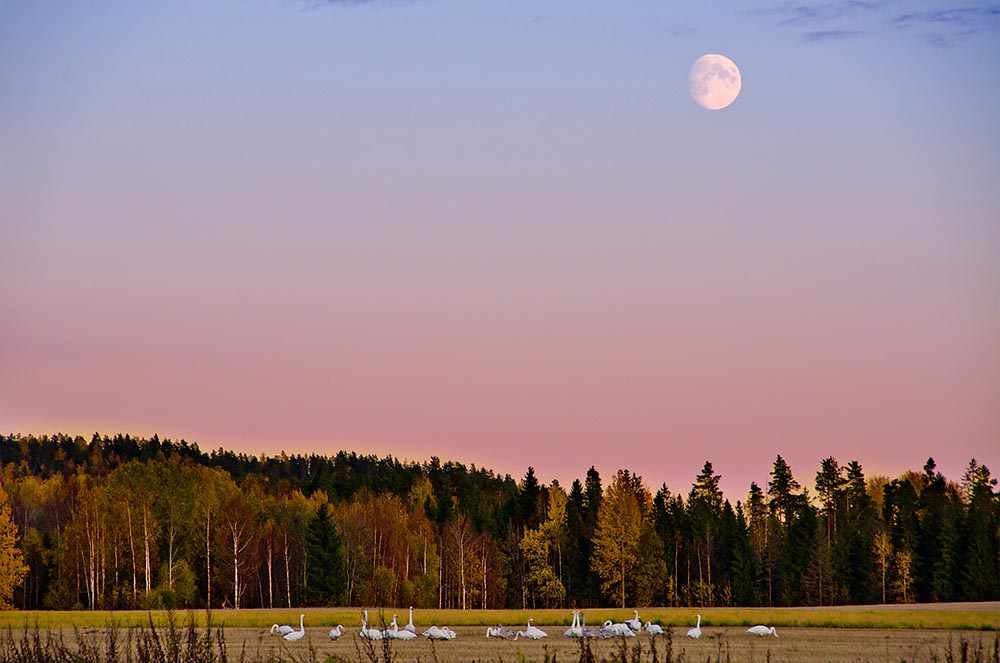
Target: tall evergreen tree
[[742, 568], [705, 512], [593, 495], [532, 509], [980, 553], [781, 491], [326, 576], [855, 541], [758, 526], [576, 561], [939, 510], [829, 487]]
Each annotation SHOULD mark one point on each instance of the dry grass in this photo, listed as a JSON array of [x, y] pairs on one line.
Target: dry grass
[[889, 634], [951, 616], [717, 645]]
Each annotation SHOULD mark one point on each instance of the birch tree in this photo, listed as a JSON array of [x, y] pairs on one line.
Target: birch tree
[[616, 540]]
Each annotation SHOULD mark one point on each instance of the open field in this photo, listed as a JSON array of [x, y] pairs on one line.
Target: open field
[[951, 616], [892, 634], [717, 644]]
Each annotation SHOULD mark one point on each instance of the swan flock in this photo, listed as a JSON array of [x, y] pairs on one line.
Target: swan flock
[[628, 628]]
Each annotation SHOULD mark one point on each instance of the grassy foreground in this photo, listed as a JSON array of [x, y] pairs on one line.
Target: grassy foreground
[[955, 616]]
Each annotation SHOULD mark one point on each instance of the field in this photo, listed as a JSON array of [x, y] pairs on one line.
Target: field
[[851, 634]]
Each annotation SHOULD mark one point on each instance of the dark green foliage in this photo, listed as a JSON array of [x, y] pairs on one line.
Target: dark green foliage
[[327, 580], [779, 547]]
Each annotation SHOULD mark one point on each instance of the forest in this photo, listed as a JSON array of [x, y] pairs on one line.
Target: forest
[[123, 522]]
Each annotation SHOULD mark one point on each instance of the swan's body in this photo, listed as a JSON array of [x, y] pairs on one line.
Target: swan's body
[[532, 632], [621, 629], [635, 623], [588, 632], [301, 633], [399, 634], [499, 631], [654, 629], [369, 633], [336, 632], [410, 627], [761, 630], [284, 629], [696, 631], [435, 633], [575, 630]]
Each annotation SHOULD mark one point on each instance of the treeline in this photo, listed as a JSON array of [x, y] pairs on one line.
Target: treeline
[[122, 522]]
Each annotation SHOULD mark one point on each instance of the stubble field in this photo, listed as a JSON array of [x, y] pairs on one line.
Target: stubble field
[[952, 632]]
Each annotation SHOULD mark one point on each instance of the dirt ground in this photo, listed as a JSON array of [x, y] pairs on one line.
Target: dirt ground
[[794, 645]]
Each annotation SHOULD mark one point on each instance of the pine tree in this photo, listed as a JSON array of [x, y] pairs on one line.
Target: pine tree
[[979, 545], [782, 488], [12, 567], [742, 568], [705, 512], [855, 540], [829, 486]]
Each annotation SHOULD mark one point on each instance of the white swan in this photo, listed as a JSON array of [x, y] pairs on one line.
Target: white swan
[[575, 630], [696, 631], [532, 632], [284, 629], [297, 635], [336, 632], [761, 630], [499, 631], [434, 633], [399, 634], [448, 633], [635, 623], [621, 629], [654, 629], [410, 627], [369, 633]]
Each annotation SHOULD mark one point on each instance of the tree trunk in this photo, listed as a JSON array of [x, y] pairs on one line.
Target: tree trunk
[[170, 555], [208, 557], [270, 571], [288, 573], [236, 567], [145, 536], [623, 575], [131, 544]]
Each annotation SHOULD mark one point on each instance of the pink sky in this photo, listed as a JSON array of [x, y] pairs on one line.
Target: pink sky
[[541, 252]]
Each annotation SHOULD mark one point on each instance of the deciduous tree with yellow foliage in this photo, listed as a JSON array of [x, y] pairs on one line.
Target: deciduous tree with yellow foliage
[[12, 567]]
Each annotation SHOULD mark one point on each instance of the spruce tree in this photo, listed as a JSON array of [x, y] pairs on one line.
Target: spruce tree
[[326, 578]]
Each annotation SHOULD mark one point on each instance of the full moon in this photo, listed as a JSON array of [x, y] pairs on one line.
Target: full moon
[[714, 81]]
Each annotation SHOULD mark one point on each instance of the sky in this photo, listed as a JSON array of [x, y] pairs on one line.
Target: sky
[[502, 232]]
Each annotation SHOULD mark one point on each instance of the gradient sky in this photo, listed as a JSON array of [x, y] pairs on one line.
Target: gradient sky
[[501, 232]]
